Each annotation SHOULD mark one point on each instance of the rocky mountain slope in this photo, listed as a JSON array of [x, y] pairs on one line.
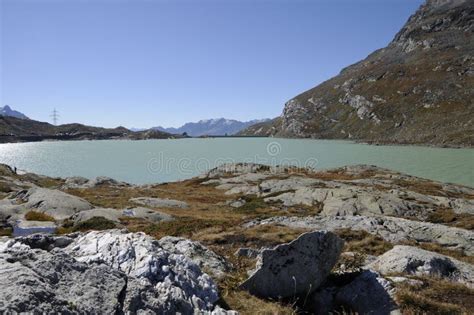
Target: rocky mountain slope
[[8, 111], [245, 237], [14, 129], [212, 127], [418, 89]]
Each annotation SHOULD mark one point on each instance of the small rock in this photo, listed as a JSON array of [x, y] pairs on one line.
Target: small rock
[[404, 280], [236, 203], [247, 252]]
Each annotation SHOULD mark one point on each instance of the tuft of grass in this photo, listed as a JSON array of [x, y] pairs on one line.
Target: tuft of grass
[[38, 216], [184, 226], [5, 187], [449, 217], [94, 223], [6, 231], [252, 204], [435, 296], [363, 242]]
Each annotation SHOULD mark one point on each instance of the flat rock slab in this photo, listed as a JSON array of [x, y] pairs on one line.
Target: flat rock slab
[[55, 203], [296, 268], [115, 215], [159, 202], [413, 260]]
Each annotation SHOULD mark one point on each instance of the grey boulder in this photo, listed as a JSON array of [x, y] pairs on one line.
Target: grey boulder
[[295, 268]]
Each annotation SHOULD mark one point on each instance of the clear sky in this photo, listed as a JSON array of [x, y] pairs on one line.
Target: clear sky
[[143, 63]]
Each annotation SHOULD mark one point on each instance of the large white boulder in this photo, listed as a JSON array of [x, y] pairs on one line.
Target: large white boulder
[[101, 273]]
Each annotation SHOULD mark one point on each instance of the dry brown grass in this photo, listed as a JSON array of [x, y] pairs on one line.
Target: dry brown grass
[[38, 216], [5, 187], [435, 296], [428, 188], [6, 231], [449, 217], [247, 304], [363, 242]]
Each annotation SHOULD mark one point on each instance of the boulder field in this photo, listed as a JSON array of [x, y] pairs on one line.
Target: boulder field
[[242, 238]]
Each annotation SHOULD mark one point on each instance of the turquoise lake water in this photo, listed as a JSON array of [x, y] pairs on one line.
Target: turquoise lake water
[[154, 161]]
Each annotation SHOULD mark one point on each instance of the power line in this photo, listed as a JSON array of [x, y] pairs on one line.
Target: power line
[[55, 116]]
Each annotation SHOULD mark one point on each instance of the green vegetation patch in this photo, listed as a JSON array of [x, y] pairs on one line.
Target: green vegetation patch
[[38, 216], [94, 223]]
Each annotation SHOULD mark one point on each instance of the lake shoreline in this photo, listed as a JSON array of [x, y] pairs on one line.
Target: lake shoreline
[[147, 162], [55, 138]]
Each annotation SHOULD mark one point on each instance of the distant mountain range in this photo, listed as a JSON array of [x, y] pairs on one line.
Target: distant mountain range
[[8, 111], [212, 127]]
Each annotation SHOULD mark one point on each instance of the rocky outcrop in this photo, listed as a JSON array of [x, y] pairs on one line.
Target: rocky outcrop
[[84, 183], [34, 280], [416, 261], [381, 193], [415, 90], [100, 272], [159, 202], [298, 267], [392, 229]]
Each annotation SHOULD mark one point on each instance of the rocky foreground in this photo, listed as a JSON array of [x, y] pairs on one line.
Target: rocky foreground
[[242, 238]]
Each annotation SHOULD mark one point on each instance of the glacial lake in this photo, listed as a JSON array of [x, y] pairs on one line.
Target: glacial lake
[[155, 161]]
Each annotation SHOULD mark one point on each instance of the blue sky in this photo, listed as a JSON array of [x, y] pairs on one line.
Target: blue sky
[[143, 63]]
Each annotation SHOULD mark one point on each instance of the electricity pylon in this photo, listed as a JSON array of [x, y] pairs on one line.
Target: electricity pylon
[[55, 116]]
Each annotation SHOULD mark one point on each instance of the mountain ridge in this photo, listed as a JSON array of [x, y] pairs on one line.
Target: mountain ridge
[[417, 90], [211, 127], [8, 111], [14, 129]]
